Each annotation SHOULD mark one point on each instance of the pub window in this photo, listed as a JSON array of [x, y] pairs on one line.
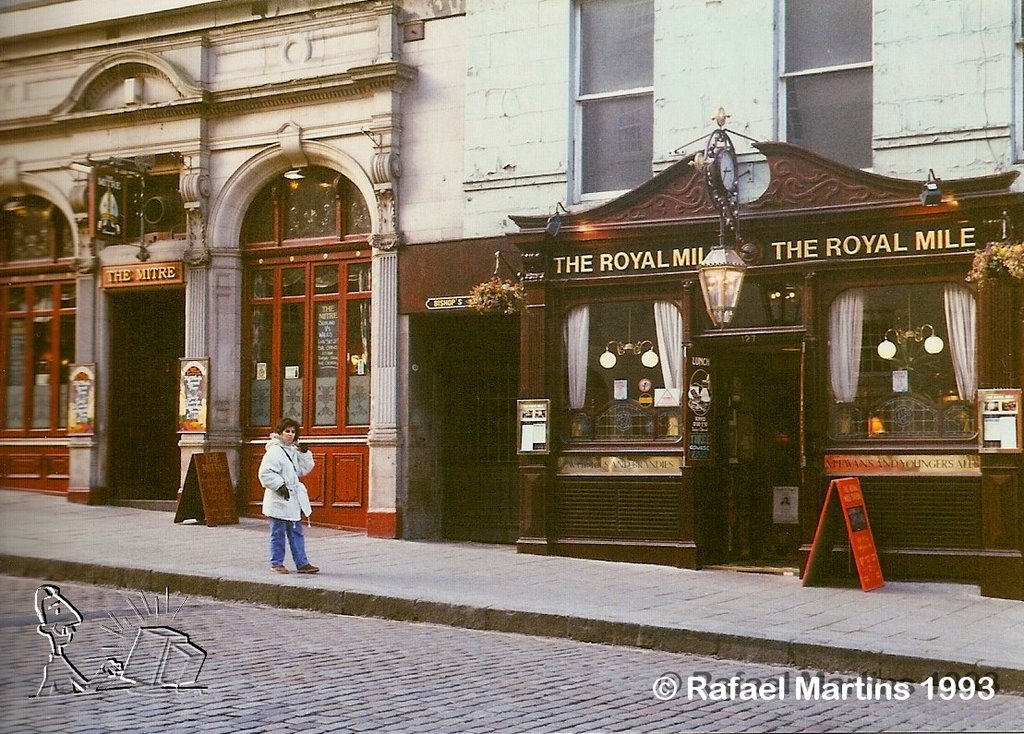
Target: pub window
[[309, 344], [614, 95], [902, 363], [37, 346], [34, 229], [826, 78], [304, 204], [623, 372]]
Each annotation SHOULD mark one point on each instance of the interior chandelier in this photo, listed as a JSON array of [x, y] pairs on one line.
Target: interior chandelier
[[888, 347], [615, 349]]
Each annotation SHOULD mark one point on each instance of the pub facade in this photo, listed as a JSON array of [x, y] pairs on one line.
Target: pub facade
[[857, 347]]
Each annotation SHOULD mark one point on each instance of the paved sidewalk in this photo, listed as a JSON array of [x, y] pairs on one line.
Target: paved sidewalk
[[903, 630]]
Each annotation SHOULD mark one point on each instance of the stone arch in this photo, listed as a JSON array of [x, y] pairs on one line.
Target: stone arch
[[32, 184], [240, 189], [117, 66]]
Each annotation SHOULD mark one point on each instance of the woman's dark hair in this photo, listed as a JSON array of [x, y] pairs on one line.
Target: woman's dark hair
[[287, 423]]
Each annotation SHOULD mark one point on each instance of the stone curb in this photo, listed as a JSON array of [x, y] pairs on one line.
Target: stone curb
[[626, 634]]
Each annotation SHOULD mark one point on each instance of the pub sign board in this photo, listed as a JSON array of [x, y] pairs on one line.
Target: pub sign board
[[114, 204], [699, 399], [844, 503]]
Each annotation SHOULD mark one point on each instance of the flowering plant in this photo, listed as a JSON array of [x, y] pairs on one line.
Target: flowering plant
[[1003, 260], [496, 296]]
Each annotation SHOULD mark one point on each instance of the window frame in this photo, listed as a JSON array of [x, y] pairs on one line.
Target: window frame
[[310, 301], [60, 239], [785, 76], [279, 193], [565, 414], [580, 100], [1017, 96], [898, 440], [57, 314]]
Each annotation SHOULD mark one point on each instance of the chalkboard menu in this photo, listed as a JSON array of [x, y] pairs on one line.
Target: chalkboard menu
[[326, 339], [208, 495]]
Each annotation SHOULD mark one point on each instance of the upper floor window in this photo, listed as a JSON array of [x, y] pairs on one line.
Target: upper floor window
[[615, 93], [34, 229], [826, 79], [902, 363], [307, 203]]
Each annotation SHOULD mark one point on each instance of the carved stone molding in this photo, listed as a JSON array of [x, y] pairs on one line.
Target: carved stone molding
[[194, 187], [385, 242], [387, 211], [289, 137], [86, 261], [197, 253], [386, 168]]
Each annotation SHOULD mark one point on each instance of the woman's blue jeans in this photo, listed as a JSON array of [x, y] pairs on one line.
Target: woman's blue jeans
[[292, 530]]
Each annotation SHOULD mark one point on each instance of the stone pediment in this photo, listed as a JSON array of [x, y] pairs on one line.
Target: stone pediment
[[800, 182], [101, 87]]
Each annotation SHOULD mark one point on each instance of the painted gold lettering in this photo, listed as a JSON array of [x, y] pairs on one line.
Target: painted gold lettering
[[690, 257], [832, 247], [926, 241], [604, 262]]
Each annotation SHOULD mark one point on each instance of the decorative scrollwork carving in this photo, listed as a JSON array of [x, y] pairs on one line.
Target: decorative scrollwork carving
[[197, 254], [385, 242], [194, 187]]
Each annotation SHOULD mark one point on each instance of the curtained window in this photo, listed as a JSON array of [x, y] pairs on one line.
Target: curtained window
[[901, 363], [623, 371]]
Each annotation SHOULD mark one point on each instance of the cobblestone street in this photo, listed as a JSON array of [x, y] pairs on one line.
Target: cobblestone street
[[281, 670]]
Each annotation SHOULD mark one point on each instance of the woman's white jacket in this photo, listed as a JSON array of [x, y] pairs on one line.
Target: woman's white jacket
[[284, 464]]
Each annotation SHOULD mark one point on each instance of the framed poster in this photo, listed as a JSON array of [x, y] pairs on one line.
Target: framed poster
[[999, 421], [82, 399], [533, 426], [193, 394]]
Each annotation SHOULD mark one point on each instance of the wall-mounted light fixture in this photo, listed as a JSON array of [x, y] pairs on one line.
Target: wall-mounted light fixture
[[895, 338], [931, 192], [721, 271], [721, 278], [554, 224], [613, 350], [294, 174]]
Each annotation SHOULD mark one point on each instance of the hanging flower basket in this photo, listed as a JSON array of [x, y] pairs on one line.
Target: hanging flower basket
[[1000, 261], [496, 296]]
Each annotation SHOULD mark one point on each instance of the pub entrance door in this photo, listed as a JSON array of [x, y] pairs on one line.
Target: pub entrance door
[[754, 519], [147, 336]]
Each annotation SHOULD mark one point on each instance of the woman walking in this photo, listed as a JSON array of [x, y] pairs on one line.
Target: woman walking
[[284, 497]]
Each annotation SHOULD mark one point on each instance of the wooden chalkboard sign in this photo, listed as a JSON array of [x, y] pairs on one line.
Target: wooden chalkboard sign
[[208, 495], [844, 501]]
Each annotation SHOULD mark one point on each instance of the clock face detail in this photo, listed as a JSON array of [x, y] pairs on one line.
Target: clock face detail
[[725, 169], [720, 171]]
